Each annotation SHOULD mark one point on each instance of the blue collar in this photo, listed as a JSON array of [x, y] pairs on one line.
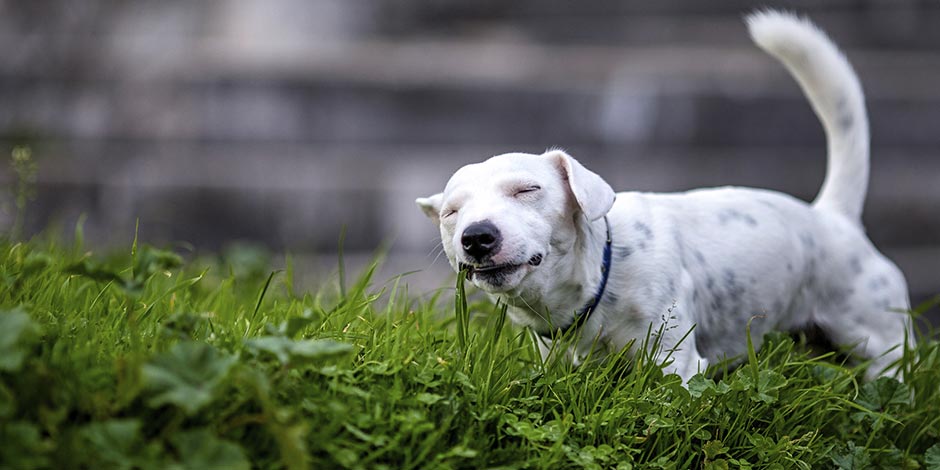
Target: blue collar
[[582, 316]]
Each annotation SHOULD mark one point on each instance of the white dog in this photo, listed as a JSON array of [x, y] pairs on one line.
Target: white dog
[[553, 241]]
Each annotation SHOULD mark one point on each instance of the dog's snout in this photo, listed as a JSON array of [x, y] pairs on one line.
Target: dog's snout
[[480, 239]]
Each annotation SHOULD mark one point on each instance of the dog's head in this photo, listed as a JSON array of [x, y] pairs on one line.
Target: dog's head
[[511, 220]]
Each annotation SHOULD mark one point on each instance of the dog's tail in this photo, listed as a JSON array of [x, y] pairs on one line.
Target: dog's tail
[[833, 90]]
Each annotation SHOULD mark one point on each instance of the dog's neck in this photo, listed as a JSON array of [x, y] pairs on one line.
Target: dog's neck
[[575, 281]]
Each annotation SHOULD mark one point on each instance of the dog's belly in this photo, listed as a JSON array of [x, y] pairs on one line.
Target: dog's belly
[[723, 302]]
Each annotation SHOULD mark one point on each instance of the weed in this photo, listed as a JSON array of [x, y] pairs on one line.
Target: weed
[[25, 169], [149, 361]]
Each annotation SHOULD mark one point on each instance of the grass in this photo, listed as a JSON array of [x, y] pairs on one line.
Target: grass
[[144, 360]]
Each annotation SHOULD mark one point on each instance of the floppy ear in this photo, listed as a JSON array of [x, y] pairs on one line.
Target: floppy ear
[[431, 206], [594, 196]]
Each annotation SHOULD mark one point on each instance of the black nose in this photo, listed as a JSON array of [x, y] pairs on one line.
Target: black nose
[[480, 239]]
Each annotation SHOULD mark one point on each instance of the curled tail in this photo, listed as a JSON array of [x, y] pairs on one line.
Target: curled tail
[[833, 90]]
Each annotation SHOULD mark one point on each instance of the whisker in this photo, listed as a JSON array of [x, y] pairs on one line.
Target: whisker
[[439, 253], [438, 245]]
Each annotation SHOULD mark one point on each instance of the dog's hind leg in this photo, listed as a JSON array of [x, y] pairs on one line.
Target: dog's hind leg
[[871, 315]]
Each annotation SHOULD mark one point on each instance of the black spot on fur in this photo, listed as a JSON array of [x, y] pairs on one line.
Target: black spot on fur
[[717, 303], [846, 121], [808, 241], [855, 265], [734, 289], [750, 220], [610, 298], [733, 215], [845, 117], [644, 230], [729, 276], [838, 296], [623, 252], [878, 283]]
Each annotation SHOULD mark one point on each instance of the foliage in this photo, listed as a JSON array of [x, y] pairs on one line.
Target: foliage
[[146, 361], [25, 168]]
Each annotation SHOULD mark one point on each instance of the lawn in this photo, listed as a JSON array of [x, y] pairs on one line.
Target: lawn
[[143, 359]]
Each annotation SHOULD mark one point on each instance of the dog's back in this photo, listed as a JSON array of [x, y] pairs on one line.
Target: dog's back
[[741, 252]]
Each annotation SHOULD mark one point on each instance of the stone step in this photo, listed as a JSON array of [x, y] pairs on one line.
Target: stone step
[[300, 196], [282, 123], [95, 36], [671, 105], [896, 25]]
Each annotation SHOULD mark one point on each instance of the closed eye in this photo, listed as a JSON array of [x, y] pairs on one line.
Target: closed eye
[[527, 190], [448, 212]]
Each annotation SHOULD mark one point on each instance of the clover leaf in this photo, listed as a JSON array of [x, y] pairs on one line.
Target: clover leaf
[[186, 376]]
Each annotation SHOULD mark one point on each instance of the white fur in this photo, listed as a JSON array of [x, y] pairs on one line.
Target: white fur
[[709, 258], [833, 90]]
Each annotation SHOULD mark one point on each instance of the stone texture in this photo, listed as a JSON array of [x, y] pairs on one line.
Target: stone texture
[[221, 120]]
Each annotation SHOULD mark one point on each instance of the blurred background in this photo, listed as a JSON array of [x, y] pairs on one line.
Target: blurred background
[[277, 123]]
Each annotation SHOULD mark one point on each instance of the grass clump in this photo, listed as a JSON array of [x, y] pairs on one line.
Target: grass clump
[[147, 361]]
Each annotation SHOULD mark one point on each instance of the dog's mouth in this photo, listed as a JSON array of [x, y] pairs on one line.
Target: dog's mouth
[[496, 272]]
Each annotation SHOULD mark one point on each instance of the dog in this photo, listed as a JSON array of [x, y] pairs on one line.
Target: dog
[[551, 239]]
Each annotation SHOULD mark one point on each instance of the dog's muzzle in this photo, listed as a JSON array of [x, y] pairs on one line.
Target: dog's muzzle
[[498, 270], [481, 240]]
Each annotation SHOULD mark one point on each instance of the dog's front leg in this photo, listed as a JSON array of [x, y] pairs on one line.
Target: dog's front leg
[[669, 346], [685, 359], [573, 353]]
